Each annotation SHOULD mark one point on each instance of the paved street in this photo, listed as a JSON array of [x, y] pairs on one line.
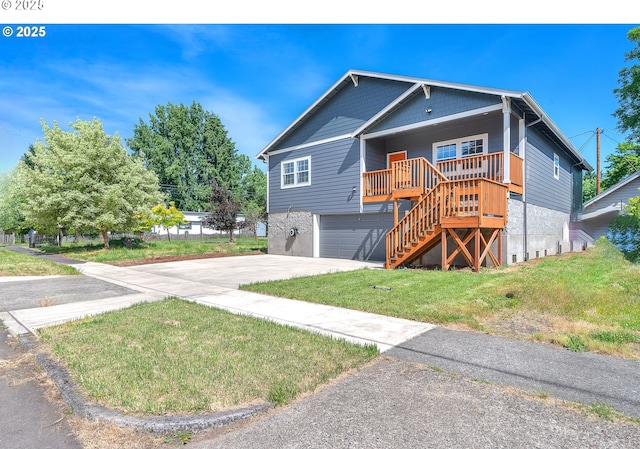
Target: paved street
[[418, 394]]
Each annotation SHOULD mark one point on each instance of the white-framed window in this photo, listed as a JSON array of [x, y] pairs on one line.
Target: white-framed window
[[461, 147], [296, 173], [556, 166]]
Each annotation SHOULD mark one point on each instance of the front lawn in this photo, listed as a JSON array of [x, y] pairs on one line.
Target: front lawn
[[138, 250], [178, 357], [583, 301], [18, 264]]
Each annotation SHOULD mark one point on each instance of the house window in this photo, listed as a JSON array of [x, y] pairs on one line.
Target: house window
[[556, 166], [459, 148], [296, 173]]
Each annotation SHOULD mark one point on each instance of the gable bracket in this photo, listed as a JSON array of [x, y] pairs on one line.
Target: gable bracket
[[427, 91], [354, 78]]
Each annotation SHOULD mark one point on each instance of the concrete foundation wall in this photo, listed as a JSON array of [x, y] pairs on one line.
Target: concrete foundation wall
[[547, 232], [281, 241]]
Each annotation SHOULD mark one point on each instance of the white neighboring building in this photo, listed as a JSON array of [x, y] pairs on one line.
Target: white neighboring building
[[597, 213], [194, 227]]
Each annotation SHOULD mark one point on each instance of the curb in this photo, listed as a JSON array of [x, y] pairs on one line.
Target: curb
[[162, 425]]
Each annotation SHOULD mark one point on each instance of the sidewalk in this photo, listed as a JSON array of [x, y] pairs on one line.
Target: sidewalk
[[355, 326], [537, 368]]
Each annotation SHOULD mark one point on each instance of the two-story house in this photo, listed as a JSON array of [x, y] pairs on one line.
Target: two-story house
[[411, 170]]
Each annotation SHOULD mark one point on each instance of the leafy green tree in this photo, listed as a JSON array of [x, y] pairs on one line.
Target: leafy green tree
[[588, 186], [624, 232], [628, 94], [187, 147], [624, 162], [254, 213], [633, 206], [223, 210], [11, 199], [253, 188], [84, 181], [167, 217]]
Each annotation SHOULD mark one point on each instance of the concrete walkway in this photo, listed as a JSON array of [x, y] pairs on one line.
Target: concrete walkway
[[540, 369], [214, 282]]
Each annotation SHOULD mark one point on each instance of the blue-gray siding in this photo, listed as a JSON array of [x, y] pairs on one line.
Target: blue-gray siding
[[542, 189], [442, 102], [420, 143], [615, 198], [335, 171], [349, 108]]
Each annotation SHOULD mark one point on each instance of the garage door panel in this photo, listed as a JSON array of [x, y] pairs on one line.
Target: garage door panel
[[360, 237]]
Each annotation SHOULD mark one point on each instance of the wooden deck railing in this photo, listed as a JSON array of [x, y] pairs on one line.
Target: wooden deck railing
[[377, 183], [516, 171], [473, 198], [473, 201], [418, 222], [488, 166], [414, 175]]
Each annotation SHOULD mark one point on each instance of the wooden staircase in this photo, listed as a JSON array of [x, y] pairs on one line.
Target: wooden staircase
[[475, 206], [417, 232]]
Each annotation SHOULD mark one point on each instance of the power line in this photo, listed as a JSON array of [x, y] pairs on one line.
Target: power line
[[581, 134]]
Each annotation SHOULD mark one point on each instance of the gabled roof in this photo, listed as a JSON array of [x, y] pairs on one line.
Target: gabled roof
[[614, 188], [523, 100]]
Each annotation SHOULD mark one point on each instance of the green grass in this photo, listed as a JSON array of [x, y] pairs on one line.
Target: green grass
[[17, 264], [174, 357], [157, 248], [583, 296]]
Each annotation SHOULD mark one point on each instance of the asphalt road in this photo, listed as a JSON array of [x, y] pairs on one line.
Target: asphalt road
[[16, 295], [419, 395], [28, 419], [401, 405]]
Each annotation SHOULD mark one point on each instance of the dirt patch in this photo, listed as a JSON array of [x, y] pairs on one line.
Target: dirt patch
[[162, 259], [523, 325]]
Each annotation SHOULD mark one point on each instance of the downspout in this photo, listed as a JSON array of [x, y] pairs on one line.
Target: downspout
[[525, 237], [524, 194]]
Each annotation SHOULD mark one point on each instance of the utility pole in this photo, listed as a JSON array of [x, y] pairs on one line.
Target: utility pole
[[598, 131]]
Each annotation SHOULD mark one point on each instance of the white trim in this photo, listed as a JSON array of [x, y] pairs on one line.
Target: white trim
[[485, 143], [304, 114], [266, 159], [395, 152], [295, 173], [363, 168], [613, 208], [524, 96], [316, 235], [390, 107], [311, 144], [611, 189], [435, 121], [506, 139], [522, 150]]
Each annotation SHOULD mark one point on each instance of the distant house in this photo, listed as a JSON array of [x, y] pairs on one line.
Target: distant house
[[597, 213], [415, 171], [195, 228]]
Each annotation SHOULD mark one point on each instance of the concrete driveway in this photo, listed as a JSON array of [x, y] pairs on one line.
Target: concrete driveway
[[230, 272]]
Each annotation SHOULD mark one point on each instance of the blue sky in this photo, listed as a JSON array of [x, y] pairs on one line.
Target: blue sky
[[258, 78]]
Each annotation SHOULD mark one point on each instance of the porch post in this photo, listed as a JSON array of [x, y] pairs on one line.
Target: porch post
[[506, 143], [522, 147], [395, 211], [443, 238]]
